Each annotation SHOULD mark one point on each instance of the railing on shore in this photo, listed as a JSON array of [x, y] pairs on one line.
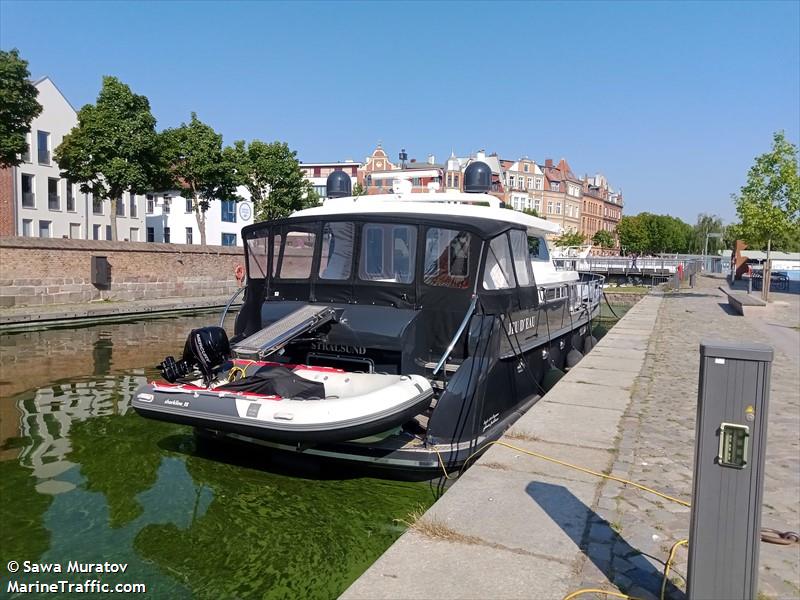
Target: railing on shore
[[653, 270]]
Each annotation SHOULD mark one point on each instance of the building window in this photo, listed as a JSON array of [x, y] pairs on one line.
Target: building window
[[321, 190], [27, 227], [97, 206], [189, 239], [75, 231], [26, 154], [44, 229], [189, 207], [28, 195], [549, 207], [134, 234], [455, 181], [511, 181], [525, 167], [166, 235], [151, 234], [95, 232], [554, 185], [108, 232], [166, 205], [43, 147], [228, 239], [70, 196], [132, 210], [150, 204], [558, 208], [120, 207], [228, 212], [53, 200]]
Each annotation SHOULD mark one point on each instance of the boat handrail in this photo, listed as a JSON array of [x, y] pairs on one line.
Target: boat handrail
[[460, 330], [228, 305]]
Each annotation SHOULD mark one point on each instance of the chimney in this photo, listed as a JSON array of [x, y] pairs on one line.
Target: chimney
[[548, 163], [431, 159], [481, 154]]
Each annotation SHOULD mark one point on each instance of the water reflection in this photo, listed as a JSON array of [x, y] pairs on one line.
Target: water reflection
[[82, 477]]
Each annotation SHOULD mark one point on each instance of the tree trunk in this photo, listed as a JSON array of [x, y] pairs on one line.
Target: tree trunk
[[113, 218], [200, 215]]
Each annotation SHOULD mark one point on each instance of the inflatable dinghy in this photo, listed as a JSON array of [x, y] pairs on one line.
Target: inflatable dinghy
[[290, 403]]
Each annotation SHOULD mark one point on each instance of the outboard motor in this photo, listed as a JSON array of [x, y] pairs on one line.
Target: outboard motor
[[206, 349]]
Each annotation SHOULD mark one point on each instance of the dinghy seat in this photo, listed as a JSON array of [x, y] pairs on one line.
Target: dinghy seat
[[274, 337]]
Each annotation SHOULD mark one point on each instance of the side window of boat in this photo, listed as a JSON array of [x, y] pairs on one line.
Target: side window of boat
[[447, 258], [522, 262], [498, 274], [257, 257], [387, 253], [337, 251], [296, 255], [537, 248]]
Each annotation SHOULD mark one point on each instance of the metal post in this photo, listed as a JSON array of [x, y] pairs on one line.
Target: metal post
[[749, 285], [731, 436]]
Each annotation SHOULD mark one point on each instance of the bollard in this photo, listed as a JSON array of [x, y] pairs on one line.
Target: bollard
[[749, 285], [728, 486]]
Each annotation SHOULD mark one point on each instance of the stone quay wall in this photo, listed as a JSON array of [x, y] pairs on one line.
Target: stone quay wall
[[36, 272]]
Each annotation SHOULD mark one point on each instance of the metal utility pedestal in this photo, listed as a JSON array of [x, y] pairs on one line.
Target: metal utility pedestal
[[728, 482]]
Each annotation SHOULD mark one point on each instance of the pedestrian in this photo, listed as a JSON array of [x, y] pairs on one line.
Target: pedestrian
[[633, 261]]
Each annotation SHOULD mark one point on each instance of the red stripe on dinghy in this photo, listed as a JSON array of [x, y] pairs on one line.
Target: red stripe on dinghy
[[222, 394], [238, 362]]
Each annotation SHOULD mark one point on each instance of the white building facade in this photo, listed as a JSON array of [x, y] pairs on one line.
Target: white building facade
[[170, 219], [45, 203]]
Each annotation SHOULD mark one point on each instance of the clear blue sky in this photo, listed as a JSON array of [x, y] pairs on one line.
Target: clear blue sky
[[670, 100]]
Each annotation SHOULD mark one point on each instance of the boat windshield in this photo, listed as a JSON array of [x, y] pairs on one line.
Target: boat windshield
[[352, 260]]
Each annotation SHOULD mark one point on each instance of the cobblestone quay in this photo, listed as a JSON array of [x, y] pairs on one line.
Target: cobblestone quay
[[515, 526]]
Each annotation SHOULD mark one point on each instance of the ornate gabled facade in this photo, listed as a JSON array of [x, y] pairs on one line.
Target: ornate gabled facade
[[563, 195], [524, 185], [602, 207]]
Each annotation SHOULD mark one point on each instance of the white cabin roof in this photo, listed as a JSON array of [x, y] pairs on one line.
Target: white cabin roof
[[449, 203]]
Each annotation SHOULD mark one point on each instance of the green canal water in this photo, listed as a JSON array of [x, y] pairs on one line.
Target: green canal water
[[83, 478]]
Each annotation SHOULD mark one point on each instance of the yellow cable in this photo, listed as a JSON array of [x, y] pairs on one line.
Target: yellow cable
[[675, 546], [598, 591], [564, 464], [668, 565]]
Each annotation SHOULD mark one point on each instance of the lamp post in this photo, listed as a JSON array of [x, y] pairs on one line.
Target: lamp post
[[705, 247]]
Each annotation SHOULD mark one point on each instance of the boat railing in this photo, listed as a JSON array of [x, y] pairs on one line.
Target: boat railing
[[459, 331]]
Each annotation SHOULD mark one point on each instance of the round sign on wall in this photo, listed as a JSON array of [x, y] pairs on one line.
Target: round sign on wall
[[245, 211]]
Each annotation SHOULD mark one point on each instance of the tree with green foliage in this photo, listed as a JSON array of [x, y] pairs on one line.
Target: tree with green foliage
[[647, 233], [272, 175], [114, 148], [768, 205], [18, 107], [706, 224], [603, 238], [633, 235], [570, 238], [532, 212], [358, 190], [202, 169]]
